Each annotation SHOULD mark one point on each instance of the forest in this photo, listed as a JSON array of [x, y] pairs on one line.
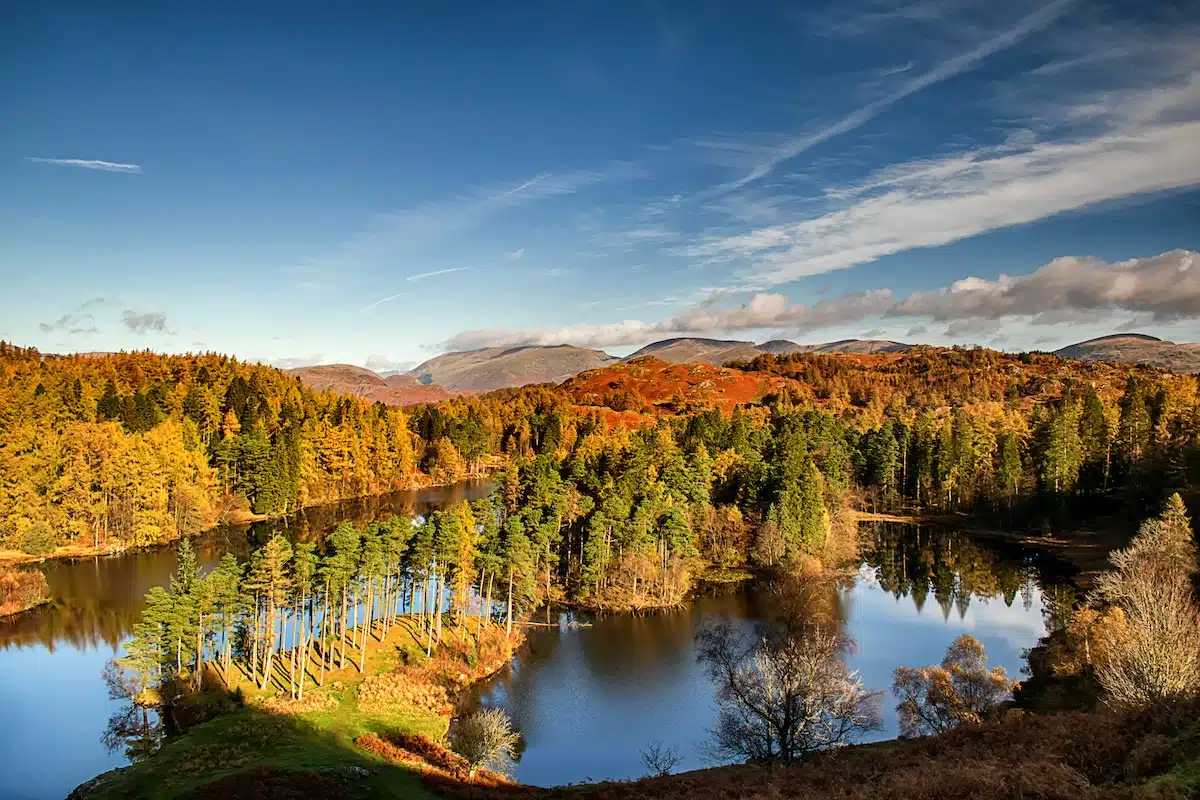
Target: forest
[[137, 448], [620, 499]]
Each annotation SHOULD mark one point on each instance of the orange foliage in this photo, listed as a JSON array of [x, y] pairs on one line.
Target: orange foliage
[[21, 590]]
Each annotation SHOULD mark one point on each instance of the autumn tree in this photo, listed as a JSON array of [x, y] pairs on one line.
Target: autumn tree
[[962, 690]]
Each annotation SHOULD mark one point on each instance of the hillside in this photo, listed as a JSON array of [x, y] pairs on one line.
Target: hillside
[[500, 367], [690, 349], [648, 383], [1137, 348], [722, 351], [394, 390]]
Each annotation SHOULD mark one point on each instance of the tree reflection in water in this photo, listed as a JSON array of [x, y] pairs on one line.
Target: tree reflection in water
[[589, 700], [915, 561]]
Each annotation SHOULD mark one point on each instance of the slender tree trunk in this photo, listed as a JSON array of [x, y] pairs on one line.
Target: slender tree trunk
[[342, 641], [295, 645], [510, 590], [370, 601], [324, 639], [441, 591], [270, 644], [254, 643], [426, 619], [199, 649], [488, 610]]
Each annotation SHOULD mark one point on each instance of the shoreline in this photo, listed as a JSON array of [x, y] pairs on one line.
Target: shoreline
[[67, 552], [1085, 548]]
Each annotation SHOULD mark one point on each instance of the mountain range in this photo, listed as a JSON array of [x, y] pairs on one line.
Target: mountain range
[[472, 371]]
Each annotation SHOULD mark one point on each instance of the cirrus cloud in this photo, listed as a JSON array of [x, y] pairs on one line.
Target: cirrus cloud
[[88, 163]]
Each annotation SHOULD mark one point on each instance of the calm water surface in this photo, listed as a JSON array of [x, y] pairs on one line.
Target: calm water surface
[[588, 699], [54, 707]]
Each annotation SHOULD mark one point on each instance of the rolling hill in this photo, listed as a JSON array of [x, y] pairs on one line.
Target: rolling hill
[[394, 390], [1137, 348], [500, 367], [722, 351], [641, 384]]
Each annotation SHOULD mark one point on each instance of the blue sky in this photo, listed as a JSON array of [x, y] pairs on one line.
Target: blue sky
[[377, 183]]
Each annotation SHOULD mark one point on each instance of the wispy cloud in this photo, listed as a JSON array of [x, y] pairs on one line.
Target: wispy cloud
[[943, 71], [420, 276], [1126, 143], [1164, 288], [88, 163], [515, 255], [381, 301], [408, 230], [148, 322], [75, 323]]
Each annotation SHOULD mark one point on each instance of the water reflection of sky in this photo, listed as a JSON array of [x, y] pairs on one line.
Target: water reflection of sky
[[588, 700], [54, 705], [893, 632]]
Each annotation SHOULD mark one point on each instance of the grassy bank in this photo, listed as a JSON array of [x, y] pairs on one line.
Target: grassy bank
[[271, 743], [1069, 756]]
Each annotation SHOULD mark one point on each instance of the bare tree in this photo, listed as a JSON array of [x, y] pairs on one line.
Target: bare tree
[[1155, 658], [660, 759], [961, 690], [783, 695], [485, 739]]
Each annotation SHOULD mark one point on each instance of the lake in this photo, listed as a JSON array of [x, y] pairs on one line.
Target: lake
[[54, 705], [587, 699]]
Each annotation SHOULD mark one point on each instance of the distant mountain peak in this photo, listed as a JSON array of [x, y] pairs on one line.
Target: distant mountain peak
[[1136, 348], [1115, 337]]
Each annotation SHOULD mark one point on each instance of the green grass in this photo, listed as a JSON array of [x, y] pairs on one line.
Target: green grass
[[319, 741], [248, 737]]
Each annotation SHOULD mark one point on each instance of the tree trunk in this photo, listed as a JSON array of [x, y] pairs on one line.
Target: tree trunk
[[441, 591], [199, 650], [254, 644], [270, 643], [369, 610], [324, 638], [510, 590], [342, 640], [488, 609]]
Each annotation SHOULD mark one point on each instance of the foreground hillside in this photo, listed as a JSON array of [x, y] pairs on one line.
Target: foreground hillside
[[1067, 756]]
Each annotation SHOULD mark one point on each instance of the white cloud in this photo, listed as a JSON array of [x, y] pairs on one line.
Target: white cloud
[[293, 362], [1161, 288], [760, 311], [88, 163], [1149, 147], [515, 255], [382, 363], [1166, 287]]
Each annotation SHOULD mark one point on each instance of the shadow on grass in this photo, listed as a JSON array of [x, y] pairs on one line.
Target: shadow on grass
[[251, 753]]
